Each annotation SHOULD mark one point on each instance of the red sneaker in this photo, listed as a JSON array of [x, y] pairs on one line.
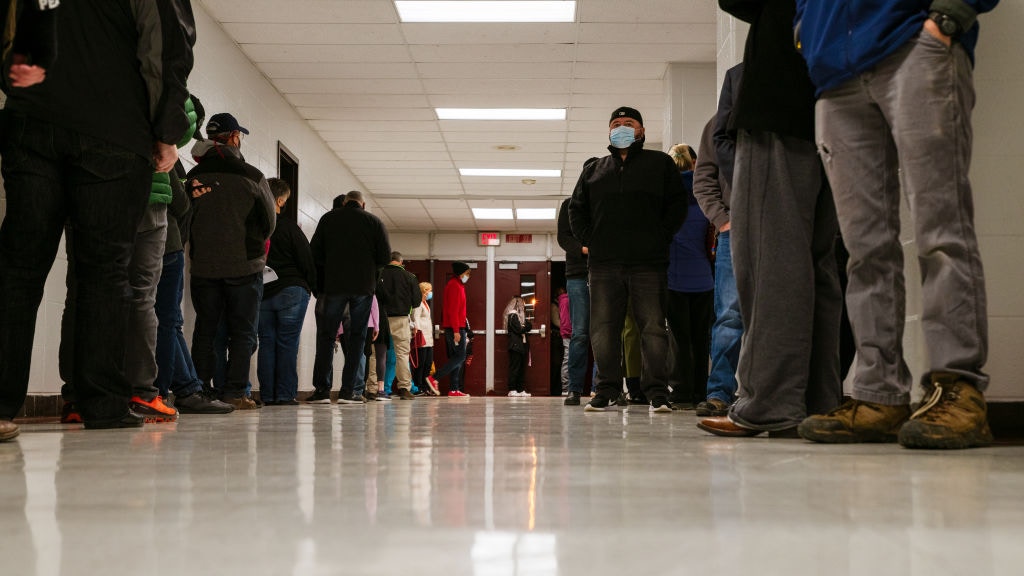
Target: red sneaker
[[432, 383], [154, 410], [458, 394], [69, 414]]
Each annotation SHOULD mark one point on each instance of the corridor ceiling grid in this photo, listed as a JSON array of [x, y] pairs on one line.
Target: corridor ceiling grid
[[369, 84]]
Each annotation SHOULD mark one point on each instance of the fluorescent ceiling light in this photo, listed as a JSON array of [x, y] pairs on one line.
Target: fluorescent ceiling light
[[535, 213], [492, 213], [517, 173], [501, 113], [486, 11]]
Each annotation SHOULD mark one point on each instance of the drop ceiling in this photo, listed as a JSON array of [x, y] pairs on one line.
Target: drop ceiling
[[369, 84]]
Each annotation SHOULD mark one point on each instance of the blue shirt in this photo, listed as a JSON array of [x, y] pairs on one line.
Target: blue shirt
[[689, 269]]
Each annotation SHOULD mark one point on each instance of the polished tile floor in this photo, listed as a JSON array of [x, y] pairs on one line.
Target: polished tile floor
[[494, 487]]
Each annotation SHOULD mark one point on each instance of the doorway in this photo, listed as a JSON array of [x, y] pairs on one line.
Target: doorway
[[530, 280]]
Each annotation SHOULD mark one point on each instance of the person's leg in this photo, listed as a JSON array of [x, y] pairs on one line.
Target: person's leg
[[680, 330], [168, 311], [701, 312], [401, 337], [778, 184], [144, 277], [109, 192], [727, 330], [329, 312], [515, 371], [242, 316], [29, 239], [609, 290], [208, 303], [647, 294], [359, 313], [266, 354], [824, 387], [290, 319], [579, 344], [456, 356]]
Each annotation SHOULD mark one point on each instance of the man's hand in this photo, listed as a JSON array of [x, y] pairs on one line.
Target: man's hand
[[23, 75], [375, 333], [457, 337], [586, 251], [725, 227], [932, 28], [198, 189], [164, 156]]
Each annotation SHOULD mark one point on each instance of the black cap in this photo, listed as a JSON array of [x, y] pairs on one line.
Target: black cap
[[459, 267], [627, 112], [223, 123]]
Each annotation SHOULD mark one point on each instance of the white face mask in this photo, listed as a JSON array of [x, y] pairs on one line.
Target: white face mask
[[464, 278]]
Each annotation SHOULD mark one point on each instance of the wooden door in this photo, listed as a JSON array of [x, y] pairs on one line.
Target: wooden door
[[530, 280], [474, 379]]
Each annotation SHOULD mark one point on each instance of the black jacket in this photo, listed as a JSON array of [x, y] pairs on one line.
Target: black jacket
[[179, 213], [626, 213], [289, 257], [349, 246], [575, 259], [776, 94], [517, 340], [398, 292], [121, 73], [34, 31], [232, 222]]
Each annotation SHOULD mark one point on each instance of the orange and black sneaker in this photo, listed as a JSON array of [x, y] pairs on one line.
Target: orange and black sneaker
[[69, 414], [154, 410]]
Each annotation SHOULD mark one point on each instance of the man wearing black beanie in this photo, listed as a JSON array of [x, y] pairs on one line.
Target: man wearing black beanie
[[625, 209]]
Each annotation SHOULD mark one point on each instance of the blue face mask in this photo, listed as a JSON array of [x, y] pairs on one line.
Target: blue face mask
[[622, 137], [430, 295]]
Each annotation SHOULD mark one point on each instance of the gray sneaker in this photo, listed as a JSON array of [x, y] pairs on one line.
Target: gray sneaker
[[200, 403], [351, 399]]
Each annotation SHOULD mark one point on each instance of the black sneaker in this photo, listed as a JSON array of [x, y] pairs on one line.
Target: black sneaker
[[129, 420], [370, 396], [660, 405], [201, 403], [573, 399], [601, 403], [319, 397], [351, 399]]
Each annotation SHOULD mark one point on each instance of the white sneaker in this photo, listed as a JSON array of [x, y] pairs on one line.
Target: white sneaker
[[524, 394], [513, 394]]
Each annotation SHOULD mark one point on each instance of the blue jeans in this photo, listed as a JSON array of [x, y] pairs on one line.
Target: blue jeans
[[53, 175], [281, 318], [328, 321], [643, 290], [456, 358], [579, 345], [175, 371], [237, 301], [728, 327]]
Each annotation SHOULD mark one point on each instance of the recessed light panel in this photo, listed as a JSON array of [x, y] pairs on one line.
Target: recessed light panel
[[500, 113], [486, 11], [492, 213], [510, 172]]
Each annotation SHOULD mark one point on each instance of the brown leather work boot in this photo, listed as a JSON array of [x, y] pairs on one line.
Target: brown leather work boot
[[856, 421], [954, 416]]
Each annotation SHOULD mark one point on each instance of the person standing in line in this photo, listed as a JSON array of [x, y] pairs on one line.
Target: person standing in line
[[399, 294], [626, 207], [690, 294], [712, 187], [378, 336], [232, 218], [66, 161], [349, 246], [565, 331], [784, 228], [577, 286], [517, 326], [424, 332], [895, 96], [283, 307], [455, 329]]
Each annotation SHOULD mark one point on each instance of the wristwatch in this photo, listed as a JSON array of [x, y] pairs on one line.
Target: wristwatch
[[947, 24]]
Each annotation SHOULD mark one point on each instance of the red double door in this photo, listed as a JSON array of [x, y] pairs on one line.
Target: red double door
[[529, 279]]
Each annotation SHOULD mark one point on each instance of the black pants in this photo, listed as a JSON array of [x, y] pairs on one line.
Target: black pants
[[689, 321], [54, 176], [238, 301], [516, 370], [424, 360]]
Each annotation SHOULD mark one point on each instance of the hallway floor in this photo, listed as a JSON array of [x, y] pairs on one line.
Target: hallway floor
[[494, 486]]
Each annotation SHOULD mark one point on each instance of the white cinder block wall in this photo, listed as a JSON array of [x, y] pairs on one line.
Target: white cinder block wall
[[998, 152]]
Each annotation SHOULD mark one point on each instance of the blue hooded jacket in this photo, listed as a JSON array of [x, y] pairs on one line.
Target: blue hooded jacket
[[840, 39]]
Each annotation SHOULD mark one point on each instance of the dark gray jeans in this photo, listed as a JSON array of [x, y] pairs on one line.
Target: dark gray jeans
[[783, 251], [910, 116]]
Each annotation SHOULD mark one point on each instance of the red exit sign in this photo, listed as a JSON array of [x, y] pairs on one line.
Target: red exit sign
[[488, 239]]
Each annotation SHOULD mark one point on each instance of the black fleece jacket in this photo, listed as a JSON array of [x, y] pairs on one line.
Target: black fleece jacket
[[349, 246], [575, 259], [290, 257], [626, 212], [776, 93], [398, 292]]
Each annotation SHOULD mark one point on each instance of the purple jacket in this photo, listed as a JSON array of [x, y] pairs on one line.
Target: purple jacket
[[564, 317]]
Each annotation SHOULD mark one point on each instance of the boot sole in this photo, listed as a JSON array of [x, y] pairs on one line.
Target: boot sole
[[922, 439], [844, 436]]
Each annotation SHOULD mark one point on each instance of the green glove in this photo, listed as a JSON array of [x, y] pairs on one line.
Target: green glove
[[190, 111], [160, 192]]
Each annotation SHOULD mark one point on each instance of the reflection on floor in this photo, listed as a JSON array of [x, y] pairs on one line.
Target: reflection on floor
[[494, 487]]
